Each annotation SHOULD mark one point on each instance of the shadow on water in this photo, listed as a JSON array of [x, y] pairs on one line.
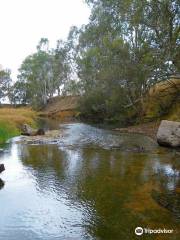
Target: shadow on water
[[93, 185]]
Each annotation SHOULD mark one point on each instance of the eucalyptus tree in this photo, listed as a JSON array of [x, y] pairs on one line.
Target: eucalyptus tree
[[42, 74], [61, 65], [127, 46], [35, 74], [5, 83]]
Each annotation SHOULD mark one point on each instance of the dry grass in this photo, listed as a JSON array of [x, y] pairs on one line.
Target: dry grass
[[165, 87], [11, 120], [163, 101], [17, 116], [174, 113]]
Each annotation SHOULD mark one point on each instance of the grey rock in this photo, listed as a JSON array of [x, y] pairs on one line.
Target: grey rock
[[168, 134], [28, 131], [1, 183], [2, 168]]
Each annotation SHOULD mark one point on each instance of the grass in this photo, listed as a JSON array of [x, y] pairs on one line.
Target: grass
[[174, 113], [11, 120], [163, 101]]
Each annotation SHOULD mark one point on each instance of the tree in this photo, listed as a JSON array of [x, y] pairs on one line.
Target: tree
[[5, 82], [127, 46], [61, 65], [42, 74], [18, 93]]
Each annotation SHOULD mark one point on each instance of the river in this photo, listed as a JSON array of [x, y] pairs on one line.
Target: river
[[93, 184]]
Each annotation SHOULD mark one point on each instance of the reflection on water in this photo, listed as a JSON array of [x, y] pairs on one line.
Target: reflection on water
[[95, 184]]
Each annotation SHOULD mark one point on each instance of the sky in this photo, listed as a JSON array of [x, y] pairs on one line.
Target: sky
[[24, 22]]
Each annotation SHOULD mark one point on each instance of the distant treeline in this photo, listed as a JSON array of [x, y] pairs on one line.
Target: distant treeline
[[112, 62]]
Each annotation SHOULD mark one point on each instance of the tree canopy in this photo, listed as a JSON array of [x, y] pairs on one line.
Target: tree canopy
[[127, 46], [5, 83], [42, 74]]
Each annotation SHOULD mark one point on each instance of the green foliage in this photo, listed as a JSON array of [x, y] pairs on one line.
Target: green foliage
[[11, 120], [127, 47], [103, 106], [5, 83], [41, 75], [112, 62]]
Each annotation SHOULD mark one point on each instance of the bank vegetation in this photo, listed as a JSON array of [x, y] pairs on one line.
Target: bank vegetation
[[115, 63], [12, 119]]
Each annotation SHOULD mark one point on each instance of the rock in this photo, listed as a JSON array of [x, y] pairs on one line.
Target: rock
[[168, 134], [169, 200], [28, 131], [1, 183], [50, 137], [40, 131], [2, 168]]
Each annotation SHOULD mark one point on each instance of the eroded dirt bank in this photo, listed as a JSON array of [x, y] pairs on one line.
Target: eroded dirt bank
[[148, 129]]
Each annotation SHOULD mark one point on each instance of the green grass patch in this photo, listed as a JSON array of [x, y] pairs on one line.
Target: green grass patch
[[12, 119], [7, 131]]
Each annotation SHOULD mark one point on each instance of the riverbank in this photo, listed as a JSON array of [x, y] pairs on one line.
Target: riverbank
[[11, 120], [50, 137], [149, 129], [61, 107]]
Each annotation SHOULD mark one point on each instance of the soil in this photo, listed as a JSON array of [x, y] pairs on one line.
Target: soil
[[61, 107], [148, 129]]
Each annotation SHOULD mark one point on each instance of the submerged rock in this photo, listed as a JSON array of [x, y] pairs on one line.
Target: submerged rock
[[169, 200], [2, 168], [168, 134]]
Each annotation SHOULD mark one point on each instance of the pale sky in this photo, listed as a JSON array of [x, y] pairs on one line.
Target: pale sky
[[24, 22]]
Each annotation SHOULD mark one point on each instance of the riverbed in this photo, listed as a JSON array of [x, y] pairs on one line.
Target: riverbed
[[93, 184]]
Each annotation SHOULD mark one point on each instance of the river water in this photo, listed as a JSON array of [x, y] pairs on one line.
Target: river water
[[93, 184]]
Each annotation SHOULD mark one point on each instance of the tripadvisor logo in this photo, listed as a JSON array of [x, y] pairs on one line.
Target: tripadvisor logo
[[139, 231]]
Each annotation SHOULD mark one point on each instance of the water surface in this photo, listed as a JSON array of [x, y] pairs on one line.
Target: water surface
[[94, 184]]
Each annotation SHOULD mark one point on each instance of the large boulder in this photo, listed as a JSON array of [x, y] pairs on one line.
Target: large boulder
[[29, 131], [168, 134]]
